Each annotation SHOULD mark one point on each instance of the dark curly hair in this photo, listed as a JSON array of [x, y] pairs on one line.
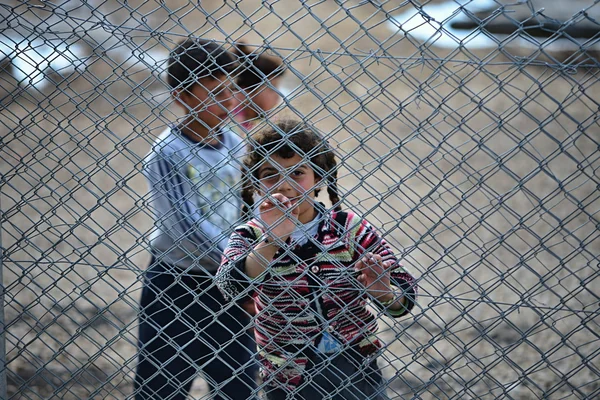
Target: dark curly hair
[[285, 139]]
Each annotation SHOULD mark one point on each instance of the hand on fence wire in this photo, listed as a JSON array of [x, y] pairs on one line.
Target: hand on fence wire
[[279, 216], [374, 275], [249, 307]]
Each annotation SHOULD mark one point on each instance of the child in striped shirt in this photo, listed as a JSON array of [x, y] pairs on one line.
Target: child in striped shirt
[[310, 271]]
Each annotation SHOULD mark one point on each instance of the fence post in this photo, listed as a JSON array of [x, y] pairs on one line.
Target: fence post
[[2, 329]]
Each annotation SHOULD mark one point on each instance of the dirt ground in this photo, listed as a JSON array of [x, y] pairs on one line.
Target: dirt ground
[[480, 167]]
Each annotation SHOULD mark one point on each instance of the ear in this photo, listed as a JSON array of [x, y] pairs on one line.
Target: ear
[[319, 183], [180, 97]]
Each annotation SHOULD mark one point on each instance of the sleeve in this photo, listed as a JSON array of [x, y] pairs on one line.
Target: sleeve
[[368, 240], [173, 207], [231, 276]]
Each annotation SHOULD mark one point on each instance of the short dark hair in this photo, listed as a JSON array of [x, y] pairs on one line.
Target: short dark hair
[[255, 65], [195, 59]]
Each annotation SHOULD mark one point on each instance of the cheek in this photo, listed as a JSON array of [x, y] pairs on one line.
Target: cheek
[[259, 101], [307, 185], [198, 99], [267, 100], [265, 187], [199, 106], [273, 99], [192, 105], [214, 109]]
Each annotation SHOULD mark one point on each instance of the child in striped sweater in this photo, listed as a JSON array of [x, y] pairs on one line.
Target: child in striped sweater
[[310, 271]]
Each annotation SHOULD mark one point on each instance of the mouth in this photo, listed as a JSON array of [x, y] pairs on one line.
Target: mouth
[[296, 200]]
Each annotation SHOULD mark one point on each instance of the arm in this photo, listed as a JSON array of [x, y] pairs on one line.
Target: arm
[[250, 250], [382, 274], [172, 191], [258, 260], [279, 227], [232, 278]]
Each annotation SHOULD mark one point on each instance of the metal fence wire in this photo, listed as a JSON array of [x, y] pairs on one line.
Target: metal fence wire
[[466, 133]]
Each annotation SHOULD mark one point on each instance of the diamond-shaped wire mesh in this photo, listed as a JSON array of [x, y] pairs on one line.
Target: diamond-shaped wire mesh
[[466, 132]]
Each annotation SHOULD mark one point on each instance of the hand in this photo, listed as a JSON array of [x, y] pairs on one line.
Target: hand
[[279, 216], [249, 307], [374, 274]]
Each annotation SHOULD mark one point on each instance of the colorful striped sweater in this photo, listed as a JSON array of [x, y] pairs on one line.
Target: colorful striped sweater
[[308, 289]]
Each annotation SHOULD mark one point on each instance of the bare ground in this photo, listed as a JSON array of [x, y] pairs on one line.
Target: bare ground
[[479, 167]]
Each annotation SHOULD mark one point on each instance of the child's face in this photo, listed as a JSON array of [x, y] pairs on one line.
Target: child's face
[[264, 98], [291, 177], [210, 100]]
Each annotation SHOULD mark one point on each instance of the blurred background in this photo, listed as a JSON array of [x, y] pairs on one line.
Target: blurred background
[[468, 132]]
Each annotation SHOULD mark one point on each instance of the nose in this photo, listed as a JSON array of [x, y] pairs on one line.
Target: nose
[[284, 187], [229, 100]]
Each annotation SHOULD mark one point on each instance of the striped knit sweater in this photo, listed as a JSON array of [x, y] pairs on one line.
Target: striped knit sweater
[[308, 289]]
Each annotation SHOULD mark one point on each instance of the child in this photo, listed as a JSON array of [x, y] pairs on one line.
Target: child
[[193, 169], [304, 265], [259, 74]]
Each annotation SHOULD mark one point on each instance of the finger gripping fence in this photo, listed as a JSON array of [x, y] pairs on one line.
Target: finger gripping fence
[[327, 199]]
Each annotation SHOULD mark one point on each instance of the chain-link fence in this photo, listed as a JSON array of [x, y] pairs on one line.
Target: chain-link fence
[[466, 132]]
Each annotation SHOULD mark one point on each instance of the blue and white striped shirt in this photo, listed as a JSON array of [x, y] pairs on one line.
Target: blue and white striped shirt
[[194, 197]]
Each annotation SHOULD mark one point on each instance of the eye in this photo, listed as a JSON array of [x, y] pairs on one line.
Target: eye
[[269, 177], [297, 173]]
